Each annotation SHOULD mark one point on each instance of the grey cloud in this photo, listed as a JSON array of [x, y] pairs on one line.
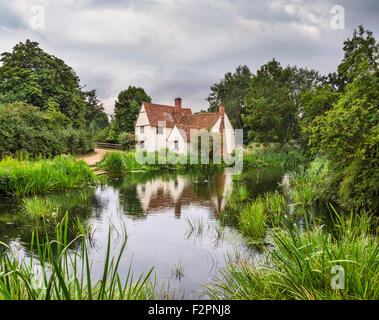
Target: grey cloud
[[101, 81], [9, 19], [181, 48]]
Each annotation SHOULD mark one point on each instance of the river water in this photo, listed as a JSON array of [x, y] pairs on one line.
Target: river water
[[171, 220]]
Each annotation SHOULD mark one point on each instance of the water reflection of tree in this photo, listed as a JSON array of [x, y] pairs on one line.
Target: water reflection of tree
[[259, 181], [127, 187]]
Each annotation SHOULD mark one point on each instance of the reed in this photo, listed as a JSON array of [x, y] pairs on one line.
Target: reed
[[66, 275], [252, 220], [302, 265], [36, 208]]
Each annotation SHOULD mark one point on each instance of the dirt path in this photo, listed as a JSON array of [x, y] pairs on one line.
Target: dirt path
[[92, 158]]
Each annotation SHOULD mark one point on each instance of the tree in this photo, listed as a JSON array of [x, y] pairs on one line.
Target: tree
[[127, 107], [28, 129], [315, 103], [362, 46], [95, 115], [273, 102], [230, 92], [30, 75], [348, 135]]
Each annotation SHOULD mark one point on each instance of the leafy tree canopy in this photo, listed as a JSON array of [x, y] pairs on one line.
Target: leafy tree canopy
[[30, 75], [230, 92], [361, 47], [348, 134], [127, 107], [273, 102]]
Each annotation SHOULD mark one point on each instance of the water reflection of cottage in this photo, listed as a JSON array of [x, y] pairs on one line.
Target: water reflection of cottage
[[159, 194]]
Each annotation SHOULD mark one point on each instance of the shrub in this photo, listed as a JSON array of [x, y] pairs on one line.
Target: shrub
[[113, 161], [28, 129], [127, 140]]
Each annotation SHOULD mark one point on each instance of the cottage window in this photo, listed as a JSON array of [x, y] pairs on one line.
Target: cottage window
[[159, 130], [142, 130], [176, 145], [142, 144]]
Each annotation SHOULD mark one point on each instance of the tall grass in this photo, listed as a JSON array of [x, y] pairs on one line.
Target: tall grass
[[254, 216], [65, 275], [36, 208], [258, 156], [308, 185], [301, 266], [19, 177]]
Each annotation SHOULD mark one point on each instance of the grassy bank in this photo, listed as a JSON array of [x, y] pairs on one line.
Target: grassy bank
[[303, 249], [56, 273], [304, 265], [20, 177]]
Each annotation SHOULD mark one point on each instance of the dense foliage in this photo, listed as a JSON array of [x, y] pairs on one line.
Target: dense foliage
[[272, 102], [126, 110], [95, 116], [27, 129], [342, 123], [30, 75], [230, 92], [348, 135], [43, 110]]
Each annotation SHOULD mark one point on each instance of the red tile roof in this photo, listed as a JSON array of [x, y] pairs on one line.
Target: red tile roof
[[186, 120], [158, 112], [201, 120]]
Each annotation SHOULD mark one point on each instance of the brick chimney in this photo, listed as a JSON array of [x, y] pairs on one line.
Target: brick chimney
[[178, 105], [221, 110]]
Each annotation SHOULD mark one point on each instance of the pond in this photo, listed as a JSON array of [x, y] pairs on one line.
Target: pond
[[171, 220]]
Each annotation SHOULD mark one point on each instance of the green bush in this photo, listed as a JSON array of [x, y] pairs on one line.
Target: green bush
[[127, 140], [113, 161], [347, 135], [27, 129]]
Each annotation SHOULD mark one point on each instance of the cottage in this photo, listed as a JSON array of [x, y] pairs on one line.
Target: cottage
[[161, 126]]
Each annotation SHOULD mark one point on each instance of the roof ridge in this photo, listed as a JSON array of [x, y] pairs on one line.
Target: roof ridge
[[162, 105]]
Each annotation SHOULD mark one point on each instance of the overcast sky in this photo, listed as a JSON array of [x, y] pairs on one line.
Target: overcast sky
[[180, 48]]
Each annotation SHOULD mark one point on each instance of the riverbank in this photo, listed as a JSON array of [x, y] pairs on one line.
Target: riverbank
[[303, 247]]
